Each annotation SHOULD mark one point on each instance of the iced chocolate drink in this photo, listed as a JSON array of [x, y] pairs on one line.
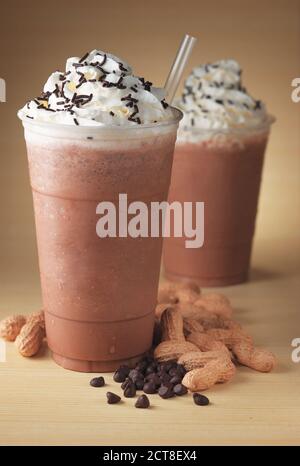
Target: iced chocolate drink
[[95, 132], [218, 160]]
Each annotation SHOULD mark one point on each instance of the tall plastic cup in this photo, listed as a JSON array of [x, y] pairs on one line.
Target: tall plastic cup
[[223, 169], [99, 294]]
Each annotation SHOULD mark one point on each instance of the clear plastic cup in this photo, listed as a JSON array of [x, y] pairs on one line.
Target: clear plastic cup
[[223, 169], [99, 294]]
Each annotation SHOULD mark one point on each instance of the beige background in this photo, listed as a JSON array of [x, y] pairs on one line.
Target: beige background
[[264, 36]]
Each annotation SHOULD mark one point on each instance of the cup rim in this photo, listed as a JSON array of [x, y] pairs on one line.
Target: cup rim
[[264, 126], [32, 123]]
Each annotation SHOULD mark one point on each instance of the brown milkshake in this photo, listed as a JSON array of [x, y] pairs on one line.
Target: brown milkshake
[[99, 294], [218, 160]]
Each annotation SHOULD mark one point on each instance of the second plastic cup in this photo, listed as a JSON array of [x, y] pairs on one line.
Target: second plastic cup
[[99, 294], [223, 169]]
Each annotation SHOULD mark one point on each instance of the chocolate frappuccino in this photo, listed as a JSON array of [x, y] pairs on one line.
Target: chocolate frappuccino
[[218, 160], [95, 132]]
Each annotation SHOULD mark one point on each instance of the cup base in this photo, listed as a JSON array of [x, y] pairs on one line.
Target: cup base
[[209, 282], [93, 366]]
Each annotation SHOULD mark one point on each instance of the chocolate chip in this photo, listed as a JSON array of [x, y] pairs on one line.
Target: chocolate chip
[[167, 384], [149, 387], [120, 375], [165, 392], [125, 369], [173, 371], [126, 382], [130, 391], [154, 378], [181, 370], [165, 378], [167, 366], [139, 384], [112, 398], [141, 366], [134, 374], [200, 400], [176, 379], [151, 368], [97, 382], [142, 402], [180, 390]]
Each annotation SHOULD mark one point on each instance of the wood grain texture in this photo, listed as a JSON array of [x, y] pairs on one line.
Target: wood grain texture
[[42, 403]]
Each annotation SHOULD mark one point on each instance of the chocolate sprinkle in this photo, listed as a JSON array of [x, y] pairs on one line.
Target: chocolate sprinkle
[[103, 60], [84, 57], [122, 68], [79, 100], [257, 105], [164, 104]]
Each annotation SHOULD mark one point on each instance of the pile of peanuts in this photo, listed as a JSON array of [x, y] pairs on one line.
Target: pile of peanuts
[[198, 331], [28, 332]]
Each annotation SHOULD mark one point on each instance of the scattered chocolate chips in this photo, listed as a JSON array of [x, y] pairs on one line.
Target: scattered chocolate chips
[[142, 402], [130, 391], [112, 398], [165, 392], [149, 387], [180, 390], [176, 379], [165, 378], [121, 374], [139, 384], [126, 382], [181, 370], [200, 400], [134, 375], [173, 371], [154, 378], [97, 382]]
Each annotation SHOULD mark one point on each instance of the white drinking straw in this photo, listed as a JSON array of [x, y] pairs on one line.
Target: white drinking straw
[[175, 74]]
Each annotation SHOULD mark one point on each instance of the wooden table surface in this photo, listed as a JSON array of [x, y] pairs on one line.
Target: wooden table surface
[[41, 403]]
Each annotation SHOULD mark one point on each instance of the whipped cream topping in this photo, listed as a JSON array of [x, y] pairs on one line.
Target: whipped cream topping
[[98, 89], [214, 98]]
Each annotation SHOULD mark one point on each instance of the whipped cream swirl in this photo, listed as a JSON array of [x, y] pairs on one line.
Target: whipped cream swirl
[[214, 98], [98, 89]]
